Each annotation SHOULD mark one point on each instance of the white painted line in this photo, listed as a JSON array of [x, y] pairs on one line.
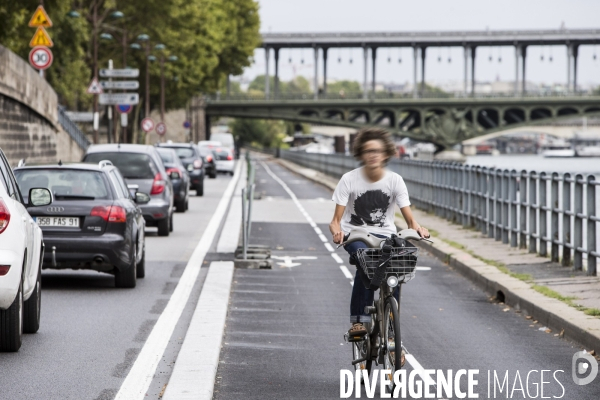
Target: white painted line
[[313, 224], [196, 366], [323, 238], [419, 369], [346, 272], [140, 376], [329, 247], [231, 230], [337, 258], [318, 230], [423, 268]]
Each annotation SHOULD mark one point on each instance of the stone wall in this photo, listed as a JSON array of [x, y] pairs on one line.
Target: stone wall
[[29, 125]]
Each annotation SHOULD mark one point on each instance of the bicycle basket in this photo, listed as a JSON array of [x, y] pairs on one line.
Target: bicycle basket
[[402, 264]]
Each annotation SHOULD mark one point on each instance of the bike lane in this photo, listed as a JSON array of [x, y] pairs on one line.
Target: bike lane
[[284, 331]]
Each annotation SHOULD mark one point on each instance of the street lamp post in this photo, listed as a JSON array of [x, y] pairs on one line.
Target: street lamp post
[[145, 38]]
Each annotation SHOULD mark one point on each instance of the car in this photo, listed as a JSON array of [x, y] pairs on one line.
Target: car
[[94, 223], [209, 157], [192, 160], [225, 161], [211, 144], [178, 175], [226, 139], [21, 252], [141, 165]]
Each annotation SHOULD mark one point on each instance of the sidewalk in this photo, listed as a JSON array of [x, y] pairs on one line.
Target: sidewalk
[[552, 296]]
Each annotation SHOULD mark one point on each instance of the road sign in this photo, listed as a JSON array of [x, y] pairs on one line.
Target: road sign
[[187, 125], [147, 124], [80, 116], [94, 87], [40, 57], [40, 18], [124, 108], [161, 128], [119, 98], [124, 85], [41, 38], [120, 73]]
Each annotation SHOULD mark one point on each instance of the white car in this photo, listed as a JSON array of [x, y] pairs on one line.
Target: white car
[[21, 253], [224, 160]]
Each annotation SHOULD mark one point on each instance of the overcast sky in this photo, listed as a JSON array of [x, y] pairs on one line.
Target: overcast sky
[[421, 15]]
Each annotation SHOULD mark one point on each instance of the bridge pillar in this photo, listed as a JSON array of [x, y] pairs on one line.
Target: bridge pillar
[[523, 58], [466, 69], [365, 84], [416, 57], [575, 52], [276, 83], [267, 76], [316, 78], [423, 53], [374, 57], [517, 56], [473, 70], [325, 70]]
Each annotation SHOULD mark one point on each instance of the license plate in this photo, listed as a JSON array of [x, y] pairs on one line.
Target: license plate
[[66, 222]]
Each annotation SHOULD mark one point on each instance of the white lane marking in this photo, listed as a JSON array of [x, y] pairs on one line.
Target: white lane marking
[[196, 366], [319, 231], [337, 258], [419, 369], [329, 247], [140, 376], [231, 230], [346, 272], [287, 260], [423, 268], [323, 238]]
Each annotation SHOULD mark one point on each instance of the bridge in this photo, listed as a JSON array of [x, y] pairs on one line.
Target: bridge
[[572, 39], [442, 121]]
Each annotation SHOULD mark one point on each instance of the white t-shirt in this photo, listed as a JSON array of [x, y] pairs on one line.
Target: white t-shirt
[[370, 204]]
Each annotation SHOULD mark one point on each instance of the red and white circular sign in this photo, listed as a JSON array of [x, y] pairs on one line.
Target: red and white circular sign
[[40, 57], [147, 124], [161, 128]]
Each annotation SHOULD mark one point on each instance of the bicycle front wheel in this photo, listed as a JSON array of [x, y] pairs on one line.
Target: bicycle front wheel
[[360, 350], [391, 338]]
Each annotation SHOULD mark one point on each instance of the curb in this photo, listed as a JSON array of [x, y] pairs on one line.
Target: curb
[[552, 313]]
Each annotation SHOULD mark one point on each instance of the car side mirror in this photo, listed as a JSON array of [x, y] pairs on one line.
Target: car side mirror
[[142, 198], [133, 188], [39, 197]]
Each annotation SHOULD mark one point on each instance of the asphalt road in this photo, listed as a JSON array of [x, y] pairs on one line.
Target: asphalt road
[[285, 327], [91, 332]]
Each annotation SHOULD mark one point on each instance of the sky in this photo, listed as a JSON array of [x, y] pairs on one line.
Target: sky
[[431, 15]]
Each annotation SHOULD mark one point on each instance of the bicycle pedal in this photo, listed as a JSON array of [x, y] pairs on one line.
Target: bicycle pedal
[[353, 339]]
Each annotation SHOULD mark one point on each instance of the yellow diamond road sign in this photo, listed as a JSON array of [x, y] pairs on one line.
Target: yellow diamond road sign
[[41, 38], [40, 18]]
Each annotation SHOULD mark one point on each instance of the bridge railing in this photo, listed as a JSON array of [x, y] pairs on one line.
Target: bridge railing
[[72, 129], [547, 213], [394, 95]]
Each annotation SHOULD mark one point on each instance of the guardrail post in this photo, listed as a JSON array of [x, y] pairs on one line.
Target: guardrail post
[[543, 207], [512, 198], [532, 210], [483, 206], [244, 225], [474, 183], [554, 217], [491, 197], [566, 212], [591, 225], [465, 195], [505, 205], [498, 203], [523, 186], [579, 216]]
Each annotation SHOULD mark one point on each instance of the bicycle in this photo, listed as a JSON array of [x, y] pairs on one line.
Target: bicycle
[[390, 267]]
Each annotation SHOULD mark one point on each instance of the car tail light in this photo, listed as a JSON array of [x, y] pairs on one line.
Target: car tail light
[[158, 186], [197, 164], [169, 170], [4, 269], [229, 157], [208, 158], [110, 213], [4, 216]]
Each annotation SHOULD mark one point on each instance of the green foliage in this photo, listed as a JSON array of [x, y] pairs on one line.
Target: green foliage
[[258, 132], [299, 85], [345, 87]]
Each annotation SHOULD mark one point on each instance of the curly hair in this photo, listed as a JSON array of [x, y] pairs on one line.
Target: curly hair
[[367, 134]]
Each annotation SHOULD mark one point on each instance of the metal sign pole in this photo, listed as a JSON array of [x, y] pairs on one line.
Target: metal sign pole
[[244, 225]]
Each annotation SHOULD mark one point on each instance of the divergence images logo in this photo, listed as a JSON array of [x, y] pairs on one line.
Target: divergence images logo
[[582, 362]]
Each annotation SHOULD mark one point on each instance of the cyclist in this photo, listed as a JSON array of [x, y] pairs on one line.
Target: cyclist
[[367, 197]]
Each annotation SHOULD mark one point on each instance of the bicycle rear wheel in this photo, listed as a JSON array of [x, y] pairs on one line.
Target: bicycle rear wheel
[[360, 349], [391, 338]]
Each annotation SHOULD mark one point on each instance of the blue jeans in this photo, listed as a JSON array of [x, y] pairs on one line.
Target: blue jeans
[[361, 296]]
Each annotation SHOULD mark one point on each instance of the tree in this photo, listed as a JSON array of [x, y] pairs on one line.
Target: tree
[[345, 86], [258, 132]]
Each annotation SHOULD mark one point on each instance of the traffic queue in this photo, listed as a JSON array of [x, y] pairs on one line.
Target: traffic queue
[[91, 215]]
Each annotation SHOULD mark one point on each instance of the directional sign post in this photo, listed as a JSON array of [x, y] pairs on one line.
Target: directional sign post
[[119, 98], [147, 124], [161, 128], [122, 85], [40, 57], [120, 73]]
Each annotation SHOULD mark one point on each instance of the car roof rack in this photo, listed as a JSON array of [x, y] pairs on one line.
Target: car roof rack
[[105, 163]]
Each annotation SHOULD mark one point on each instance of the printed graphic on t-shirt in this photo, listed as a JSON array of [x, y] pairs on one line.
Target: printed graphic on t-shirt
[[370, 208]]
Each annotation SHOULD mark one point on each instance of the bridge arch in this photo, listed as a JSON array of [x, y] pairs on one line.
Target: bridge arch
[[540, 113], [567, 111], [514, 116]]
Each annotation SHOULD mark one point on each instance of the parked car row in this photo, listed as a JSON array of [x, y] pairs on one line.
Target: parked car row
[[89, 215]]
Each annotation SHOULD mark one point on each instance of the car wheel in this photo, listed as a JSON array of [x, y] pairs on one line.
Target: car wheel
[[231, 173], [200, 190], [171, 223], [213, 175], [126, 278], [33, 307], [163, 227], [11, 324], [141, 266], [181, 206]]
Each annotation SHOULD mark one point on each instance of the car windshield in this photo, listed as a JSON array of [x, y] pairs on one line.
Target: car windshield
[[184, 152], [222, 154], [205, 151], [166, 155], [65, 184], [131, 165]]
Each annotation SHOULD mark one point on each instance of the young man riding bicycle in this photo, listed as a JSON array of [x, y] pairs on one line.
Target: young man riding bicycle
[[366, 197]]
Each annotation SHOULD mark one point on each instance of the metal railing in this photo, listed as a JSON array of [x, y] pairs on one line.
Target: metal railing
[[247, 199], [72, 129], [538, 211]]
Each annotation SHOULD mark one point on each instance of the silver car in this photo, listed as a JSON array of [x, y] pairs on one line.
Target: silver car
[[143, 169]]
